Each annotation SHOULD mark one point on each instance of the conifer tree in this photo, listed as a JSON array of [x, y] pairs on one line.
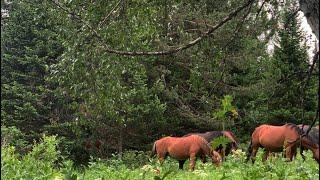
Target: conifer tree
[[28, 46], [289, 101]]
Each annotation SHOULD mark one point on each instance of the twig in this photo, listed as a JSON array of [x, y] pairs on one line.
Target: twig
[[260, 9], [109, 14]]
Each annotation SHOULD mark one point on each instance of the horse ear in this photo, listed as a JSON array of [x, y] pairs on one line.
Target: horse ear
[[211, 151]]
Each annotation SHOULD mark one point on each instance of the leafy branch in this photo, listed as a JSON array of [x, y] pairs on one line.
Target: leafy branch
[[103, 43]]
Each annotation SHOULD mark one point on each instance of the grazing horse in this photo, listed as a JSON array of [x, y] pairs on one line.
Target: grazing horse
[[275, 138], [182, 148], [313, 134], [211, 135]]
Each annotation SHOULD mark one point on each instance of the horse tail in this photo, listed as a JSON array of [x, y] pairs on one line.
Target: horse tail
[[249, 151], [154, 149]]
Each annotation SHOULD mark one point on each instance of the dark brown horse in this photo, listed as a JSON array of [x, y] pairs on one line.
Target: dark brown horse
[[277, 138], [211, 135], [313, 134], [182, 148]]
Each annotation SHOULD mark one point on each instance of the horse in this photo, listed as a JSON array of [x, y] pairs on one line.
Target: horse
[[313, 133], [211, 135], [182, 148], [275, 138]]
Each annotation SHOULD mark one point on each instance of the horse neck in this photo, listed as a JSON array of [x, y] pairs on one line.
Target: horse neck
[[205, 147], [230, 135]]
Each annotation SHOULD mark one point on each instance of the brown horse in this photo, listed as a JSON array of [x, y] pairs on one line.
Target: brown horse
[[182, 148], [275, 138], [211, 135]]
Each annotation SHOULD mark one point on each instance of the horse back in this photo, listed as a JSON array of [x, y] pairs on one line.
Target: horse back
[[274, 137]]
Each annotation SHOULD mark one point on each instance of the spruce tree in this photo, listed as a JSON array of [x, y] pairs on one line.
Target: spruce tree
[[28, 45], [289, 101]]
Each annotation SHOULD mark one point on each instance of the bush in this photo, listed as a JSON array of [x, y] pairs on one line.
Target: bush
[[12, 136], [37, 163]]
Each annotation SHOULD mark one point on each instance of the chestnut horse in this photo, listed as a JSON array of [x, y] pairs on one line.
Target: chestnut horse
[[182, 148], [314, 136], [211, 135], [276, 138]]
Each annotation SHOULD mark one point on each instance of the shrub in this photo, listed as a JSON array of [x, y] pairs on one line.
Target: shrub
[[37, 163]]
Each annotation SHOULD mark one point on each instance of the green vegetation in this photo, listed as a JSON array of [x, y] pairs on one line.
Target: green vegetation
[[40, 163], [63, 74]]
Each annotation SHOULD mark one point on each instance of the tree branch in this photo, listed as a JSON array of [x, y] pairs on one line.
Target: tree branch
[[101, 23], [157, 53], [260, 9], [315, 58]]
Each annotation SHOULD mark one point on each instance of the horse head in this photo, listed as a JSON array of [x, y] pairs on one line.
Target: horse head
[[307, 142], [232, 138], [216, 157]]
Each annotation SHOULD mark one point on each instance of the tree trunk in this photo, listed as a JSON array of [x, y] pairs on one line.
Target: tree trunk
[[310, 8], [120, 143]]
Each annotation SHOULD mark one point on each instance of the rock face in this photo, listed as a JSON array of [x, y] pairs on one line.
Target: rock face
[[310, 8]]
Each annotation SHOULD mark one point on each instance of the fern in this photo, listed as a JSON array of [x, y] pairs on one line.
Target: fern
[[223, 141]]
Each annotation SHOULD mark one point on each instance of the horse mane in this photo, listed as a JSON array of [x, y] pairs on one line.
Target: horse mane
[[213, 134], [204, 140], [206, 143], [295, 127], [300, 131]]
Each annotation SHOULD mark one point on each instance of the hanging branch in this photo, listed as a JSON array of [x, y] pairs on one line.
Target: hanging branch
[[104, 45]]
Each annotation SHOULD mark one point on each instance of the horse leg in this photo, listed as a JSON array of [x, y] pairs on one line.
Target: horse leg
[[301, 153], [249, 152], [254, 154], [192, 161], [294, 153], [223, 154], [265, 155], [161, 157], [181, 163], [288, 153], [203, 158], [161, 160]]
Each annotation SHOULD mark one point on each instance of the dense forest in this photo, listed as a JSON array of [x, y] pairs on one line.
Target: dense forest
[[108, 77]]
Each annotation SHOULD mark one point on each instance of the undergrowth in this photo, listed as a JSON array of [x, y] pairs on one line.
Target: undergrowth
[[45, 162]]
